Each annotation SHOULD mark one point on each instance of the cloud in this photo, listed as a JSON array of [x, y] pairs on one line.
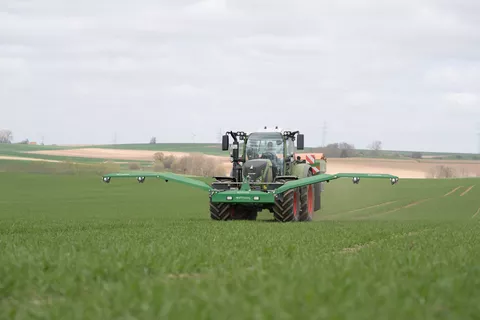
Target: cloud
[[469, 101], [357, 65], [454, 76]]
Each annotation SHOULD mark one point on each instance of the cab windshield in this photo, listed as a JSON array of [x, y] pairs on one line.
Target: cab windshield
[[266, 145]]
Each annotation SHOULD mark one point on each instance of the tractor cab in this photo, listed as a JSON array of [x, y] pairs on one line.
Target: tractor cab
[[264, 154], [262, 145]]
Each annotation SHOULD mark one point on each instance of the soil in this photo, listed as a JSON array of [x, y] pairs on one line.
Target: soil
[[25, 159], [119, 154]]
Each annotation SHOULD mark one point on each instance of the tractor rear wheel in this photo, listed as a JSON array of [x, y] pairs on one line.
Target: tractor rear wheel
[[307, 197], [307, 202], [221, 211], [318, 191], [288, 208]]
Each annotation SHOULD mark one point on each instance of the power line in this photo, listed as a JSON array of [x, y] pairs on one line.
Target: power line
[[478, 135], [324, 133], [219, 135]]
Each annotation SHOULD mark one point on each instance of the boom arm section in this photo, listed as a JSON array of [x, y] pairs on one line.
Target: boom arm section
[[162, 175], [327, 177]]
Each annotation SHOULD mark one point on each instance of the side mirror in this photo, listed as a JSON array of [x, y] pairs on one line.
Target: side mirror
[[300, 142], [225, 143]]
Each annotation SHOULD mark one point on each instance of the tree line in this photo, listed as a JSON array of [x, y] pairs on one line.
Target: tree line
[[347, 150], [6, 136]]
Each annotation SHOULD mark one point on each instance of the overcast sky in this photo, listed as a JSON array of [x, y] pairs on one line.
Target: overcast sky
[[403, 72]]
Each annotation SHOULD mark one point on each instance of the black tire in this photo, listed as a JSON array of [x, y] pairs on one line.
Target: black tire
[[221, 211], [307, 203], [307, 194], [288, 208], [318, 202]]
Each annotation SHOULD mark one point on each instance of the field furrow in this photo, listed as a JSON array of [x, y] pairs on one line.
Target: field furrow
[[466, 191]]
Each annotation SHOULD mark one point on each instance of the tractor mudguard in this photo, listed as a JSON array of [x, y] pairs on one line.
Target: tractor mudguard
[[300, 170]]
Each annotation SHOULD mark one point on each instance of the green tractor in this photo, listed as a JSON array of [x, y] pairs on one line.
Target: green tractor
[[266, 174], [263, 161]]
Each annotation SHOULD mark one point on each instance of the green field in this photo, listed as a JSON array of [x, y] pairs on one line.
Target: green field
[[73, 247]]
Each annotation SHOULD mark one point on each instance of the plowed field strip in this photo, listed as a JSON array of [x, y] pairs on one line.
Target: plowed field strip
[[361, 209], [476, 213], [396, 209], [371, 207], [466, 191], [452, 191], [359, 247]]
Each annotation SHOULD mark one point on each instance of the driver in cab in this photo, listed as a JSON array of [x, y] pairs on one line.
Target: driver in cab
[[270, 148], [270, 153]]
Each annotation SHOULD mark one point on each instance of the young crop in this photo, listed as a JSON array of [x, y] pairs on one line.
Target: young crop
[[74, 248]]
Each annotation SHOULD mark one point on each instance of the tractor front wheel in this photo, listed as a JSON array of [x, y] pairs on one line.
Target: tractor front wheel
[[221, 211], [227, 211], [287, 208]]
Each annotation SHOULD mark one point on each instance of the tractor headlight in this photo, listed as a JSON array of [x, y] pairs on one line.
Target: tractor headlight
[[256, 198], [229, 198]]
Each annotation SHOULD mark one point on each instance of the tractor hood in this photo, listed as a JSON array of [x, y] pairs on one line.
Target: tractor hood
[[258, 170]]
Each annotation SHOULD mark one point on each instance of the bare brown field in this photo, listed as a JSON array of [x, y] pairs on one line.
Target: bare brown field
[[25, 159], [404, 168], [119, 154], [414, 169]]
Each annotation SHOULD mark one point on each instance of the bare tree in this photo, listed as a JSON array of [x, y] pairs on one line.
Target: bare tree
[[375, 145], [6, 136], [416, 155], [338, 149]]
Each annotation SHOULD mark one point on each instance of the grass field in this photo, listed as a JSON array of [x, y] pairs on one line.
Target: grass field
[[73, 247]]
